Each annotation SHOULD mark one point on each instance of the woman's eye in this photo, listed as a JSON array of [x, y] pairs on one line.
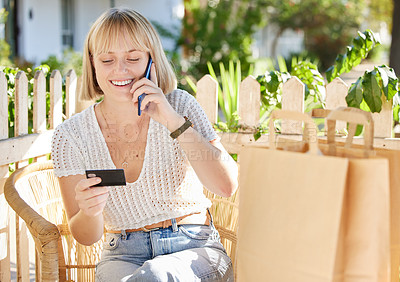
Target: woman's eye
[[105, 61], [133, 59]]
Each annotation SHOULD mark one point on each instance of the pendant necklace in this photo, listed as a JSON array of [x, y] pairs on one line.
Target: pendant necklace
[[125, 163]]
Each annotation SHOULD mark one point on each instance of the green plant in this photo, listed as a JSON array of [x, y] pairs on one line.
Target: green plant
[[220, 31], [11, 74], [69, 60], [271, 83], [362, 45], [228, 91], [271, 91], [4, 46], [367, 91]]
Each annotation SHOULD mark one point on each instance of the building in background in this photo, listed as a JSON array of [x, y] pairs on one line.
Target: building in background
[[269, 44], [37, 29]]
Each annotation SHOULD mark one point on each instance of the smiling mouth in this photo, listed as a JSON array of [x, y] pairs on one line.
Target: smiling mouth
[[121, 82]]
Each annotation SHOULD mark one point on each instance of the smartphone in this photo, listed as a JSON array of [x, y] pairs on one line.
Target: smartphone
[[109, 177], [146, 75]]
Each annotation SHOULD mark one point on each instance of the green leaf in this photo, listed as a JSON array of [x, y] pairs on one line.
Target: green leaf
[[354, 57], [285, 76], [359, 130], [355, 94], [364, 106], [372, 40], [340, 63], [396, 110], [361, 45], [331, 73], [389, 81], [372, 92], [211, 70], [191, 83], [358, 42], [272, 81], [257, 135], [282, 64], [306, 91]]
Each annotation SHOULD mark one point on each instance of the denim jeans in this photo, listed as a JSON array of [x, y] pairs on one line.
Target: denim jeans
[[177, 253]]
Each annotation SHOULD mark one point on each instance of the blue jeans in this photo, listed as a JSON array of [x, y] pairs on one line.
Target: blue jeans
[[177, 253]]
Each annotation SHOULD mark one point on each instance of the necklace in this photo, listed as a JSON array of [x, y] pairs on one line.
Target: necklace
[[124, 163]]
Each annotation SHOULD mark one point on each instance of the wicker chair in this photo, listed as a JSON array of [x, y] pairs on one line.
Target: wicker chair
[[33, 193]]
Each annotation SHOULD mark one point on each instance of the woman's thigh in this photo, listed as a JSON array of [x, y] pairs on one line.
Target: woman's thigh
[[117, 271], [121, 256], [200, 264], [192, 253]]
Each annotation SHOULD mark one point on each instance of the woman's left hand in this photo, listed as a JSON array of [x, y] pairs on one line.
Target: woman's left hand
[[154, 103]]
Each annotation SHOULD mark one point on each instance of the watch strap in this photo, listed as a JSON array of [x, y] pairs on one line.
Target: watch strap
[[175, 134]]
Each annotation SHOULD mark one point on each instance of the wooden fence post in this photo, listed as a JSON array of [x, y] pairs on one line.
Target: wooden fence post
[[207, 96], [39, 102], [55, 99], [5, 274], [383, 121], [39, 107], [21, 128], [292, 100], [21, 104], [70, 93], [336, 93], [249, 102]]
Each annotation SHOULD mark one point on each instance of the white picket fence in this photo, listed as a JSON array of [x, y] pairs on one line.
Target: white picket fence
[[14, 243], [293, 100], [14, 246]]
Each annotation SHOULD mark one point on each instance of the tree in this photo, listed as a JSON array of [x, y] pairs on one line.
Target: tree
[[220, 31], [4, 46], [378, 12], [328, 25], [394, 60]]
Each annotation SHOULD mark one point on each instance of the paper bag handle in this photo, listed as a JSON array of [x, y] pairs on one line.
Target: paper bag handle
[[309, 133], [354, 117]]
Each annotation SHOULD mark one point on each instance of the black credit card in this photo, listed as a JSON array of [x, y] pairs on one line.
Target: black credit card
[[109, 177]]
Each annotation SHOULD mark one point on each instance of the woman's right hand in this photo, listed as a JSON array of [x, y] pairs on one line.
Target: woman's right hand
[[91, 200]]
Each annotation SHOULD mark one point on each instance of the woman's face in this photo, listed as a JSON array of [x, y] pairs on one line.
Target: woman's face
[[117, 69]]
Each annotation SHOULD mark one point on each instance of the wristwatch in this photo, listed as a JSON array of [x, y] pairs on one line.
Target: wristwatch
[[175, 134]]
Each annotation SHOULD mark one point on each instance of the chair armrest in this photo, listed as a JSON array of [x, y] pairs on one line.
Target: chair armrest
[[38, 225], [44, 233]]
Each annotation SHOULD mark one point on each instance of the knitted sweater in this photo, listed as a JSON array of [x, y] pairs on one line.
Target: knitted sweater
[[167, 186]]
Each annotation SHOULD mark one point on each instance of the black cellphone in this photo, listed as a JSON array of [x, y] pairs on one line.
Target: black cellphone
[[109, 177], [146, 75]]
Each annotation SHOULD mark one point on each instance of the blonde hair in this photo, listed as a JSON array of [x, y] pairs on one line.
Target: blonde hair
[[106, 30]]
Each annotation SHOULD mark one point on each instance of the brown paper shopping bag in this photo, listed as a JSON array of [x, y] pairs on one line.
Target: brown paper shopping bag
[[393, 157], [296, 221]]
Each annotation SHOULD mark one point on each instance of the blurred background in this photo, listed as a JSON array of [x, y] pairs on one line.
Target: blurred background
[[194, 32]]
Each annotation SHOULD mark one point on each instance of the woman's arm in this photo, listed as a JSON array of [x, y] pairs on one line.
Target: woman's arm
[[213, 165], [84, 206], [215, 168]]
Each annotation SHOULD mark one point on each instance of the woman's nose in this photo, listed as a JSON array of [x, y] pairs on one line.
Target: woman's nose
[[121, 66]]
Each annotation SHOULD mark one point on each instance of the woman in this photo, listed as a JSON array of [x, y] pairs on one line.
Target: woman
[[158, 225]]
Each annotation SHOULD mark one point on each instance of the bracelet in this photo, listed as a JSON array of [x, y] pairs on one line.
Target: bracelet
[[181, 129]]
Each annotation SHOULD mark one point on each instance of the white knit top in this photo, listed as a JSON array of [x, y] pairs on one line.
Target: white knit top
[[167, 186]]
